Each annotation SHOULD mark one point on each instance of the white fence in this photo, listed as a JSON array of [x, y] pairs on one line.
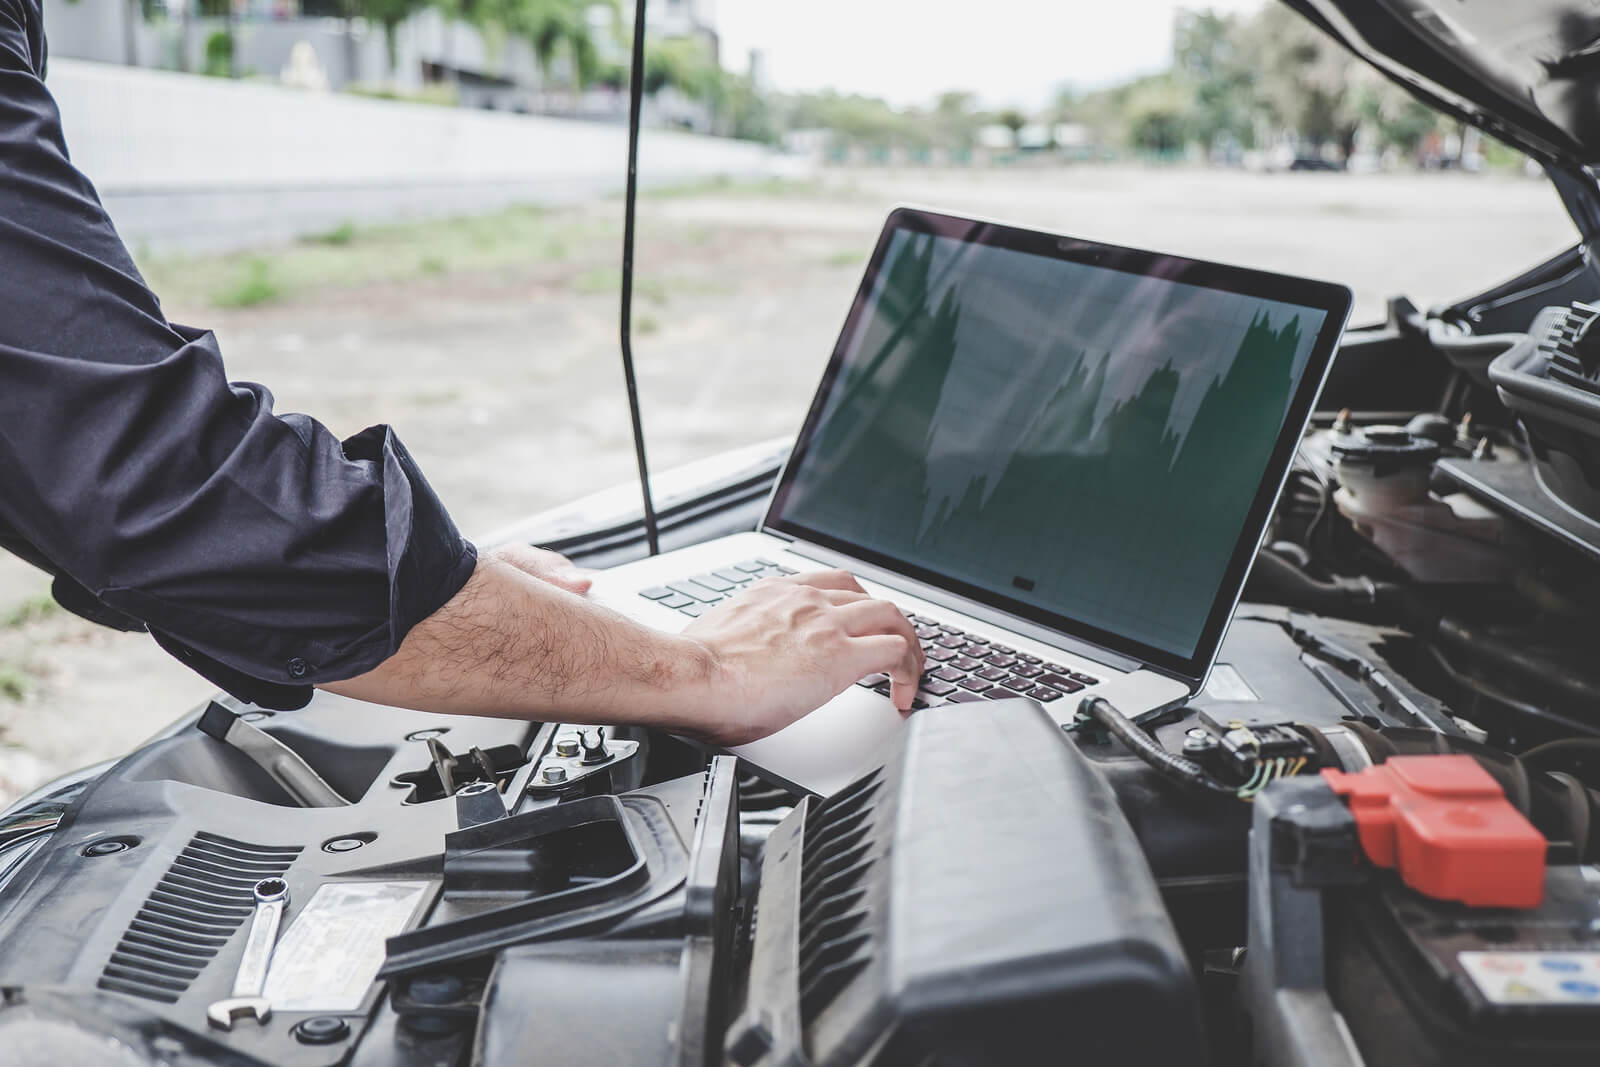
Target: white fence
[[188, 162]]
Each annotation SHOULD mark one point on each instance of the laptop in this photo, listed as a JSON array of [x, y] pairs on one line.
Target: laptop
[[1058, 457]]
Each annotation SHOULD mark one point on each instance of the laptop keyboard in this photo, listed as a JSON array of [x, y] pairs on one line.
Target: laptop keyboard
[[695, 596], [961, 667]]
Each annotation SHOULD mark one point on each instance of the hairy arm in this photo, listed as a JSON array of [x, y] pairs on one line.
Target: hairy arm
[[519, 641]]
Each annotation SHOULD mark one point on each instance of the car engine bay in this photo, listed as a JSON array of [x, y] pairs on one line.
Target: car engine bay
[[1420, 623]]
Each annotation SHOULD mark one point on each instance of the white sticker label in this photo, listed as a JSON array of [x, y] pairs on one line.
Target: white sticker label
[[1535, 977], [1226, 683], [330, 957]]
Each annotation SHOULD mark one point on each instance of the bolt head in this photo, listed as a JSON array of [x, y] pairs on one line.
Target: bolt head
[[321, 1030], [554, 775], [567, 747]]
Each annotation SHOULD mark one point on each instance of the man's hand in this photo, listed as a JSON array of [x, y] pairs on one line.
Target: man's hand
[[786, 646], [545, 565], [517, 642]]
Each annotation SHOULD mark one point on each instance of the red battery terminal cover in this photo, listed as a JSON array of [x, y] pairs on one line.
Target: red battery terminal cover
[[1448, 828]]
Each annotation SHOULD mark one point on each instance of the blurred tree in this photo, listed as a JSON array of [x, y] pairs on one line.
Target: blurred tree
[[746, 113], [684, 63], [1013, 120], [219, 55], [955, 120], [1397, 119], [1157, 110], [553, 28], [1303, 77], [861, 120], [1207, 57], [390, 14]]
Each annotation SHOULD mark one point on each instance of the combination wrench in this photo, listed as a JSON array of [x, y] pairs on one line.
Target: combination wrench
[[271, 895]]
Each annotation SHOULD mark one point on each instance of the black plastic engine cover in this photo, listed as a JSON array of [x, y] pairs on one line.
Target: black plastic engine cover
[[978, 900]]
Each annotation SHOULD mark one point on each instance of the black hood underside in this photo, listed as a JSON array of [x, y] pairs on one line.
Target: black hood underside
[[1527, 71]]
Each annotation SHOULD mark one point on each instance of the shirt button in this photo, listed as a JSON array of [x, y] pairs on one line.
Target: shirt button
[[298, 668]]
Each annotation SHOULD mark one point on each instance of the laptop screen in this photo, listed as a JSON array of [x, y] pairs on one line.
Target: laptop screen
[[1085, 436]]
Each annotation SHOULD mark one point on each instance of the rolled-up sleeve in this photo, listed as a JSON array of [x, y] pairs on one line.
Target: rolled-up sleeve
[[259, 549]]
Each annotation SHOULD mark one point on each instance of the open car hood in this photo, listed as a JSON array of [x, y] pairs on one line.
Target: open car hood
[[1527, 72]]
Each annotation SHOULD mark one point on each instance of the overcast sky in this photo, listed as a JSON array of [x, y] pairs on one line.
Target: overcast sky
[[1007, 51]]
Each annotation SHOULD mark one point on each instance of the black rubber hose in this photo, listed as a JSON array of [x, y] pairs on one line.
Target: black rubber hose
[[1505, 701], [1553, 675], [1286, 583], [1566, 746], [1181, 770]]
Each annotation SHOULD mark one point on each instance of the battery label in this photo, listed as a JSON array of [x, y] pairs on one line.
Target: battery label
[[1535, 978]]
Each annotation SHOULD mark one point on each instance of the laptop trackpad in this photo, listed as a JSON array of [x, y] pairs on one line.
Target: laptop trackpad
[[828, 749]]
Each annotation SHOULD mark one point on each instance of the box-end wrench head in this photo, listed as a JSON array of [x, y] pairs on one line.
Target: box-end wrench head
[[271, 894]]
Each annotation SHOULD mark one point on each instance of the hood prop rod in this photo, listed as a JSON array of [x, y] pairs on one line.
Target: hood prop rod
[[635, 102]]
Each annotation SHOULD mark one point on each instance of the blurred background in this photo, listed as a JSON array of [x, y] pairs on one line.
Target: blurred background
[[408, 211]]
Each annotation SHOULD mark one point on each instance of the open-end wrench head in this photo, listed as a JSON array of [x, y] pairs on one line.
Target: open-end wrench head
[[222, 1012]]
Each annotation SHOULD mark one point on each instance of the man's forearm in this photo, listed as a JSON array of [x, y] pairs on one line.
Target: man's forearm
[[513, 646]]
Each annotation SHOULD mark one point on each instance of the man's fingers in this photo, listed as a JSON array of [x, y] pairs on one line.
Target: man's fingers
[[891, 636], [865, 618], [834, 579], [894, 656]]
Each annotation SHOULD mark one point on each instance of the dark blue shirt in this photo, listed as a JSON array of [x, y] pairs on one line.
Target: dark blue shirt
[[260, 550]]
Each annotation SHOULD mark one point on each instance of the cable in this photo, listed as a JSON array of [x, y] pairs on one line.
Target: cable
[[1142, 745], [1506, 701], [1551, 674], [1566, 746], [635, 104]]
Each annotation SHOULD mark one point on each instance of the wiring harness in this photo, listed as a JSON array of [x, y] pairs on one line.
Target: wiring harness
[[1263, 770]]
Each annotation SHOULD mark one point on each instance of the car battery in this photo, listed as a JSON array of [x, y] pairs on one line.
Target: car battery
[[1466, 947]]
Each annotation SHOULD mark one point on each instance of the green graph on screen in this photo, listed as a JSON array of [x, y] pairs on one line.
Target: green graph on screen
[[1105, 481]]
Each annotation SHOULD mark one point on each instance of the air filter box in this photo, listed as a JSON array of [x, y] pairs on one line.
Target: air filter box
[[977, 900]]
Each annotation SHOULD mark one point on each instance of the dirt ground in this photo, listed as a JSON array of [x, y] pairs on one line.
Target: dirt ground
[[503, 379]]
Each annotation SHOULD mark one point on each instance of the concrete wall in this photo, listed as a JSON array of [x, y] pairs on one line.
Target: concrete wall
[[188, 162]]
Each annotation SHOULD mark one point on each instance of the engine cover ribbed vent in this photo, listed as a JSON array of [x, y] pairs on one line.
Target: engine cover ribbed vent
[[838, 854], [203, 898], [1574, 355]]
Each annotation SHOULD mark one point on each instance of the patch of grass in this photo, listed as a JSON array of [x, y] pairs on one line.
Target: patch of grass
[[441, 95], [646, 325], [253, 285], [845, 258], [606, 280], [724, 185], [502, 243], [341, 234], [14, 684], [41, 606], [599, 280]]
